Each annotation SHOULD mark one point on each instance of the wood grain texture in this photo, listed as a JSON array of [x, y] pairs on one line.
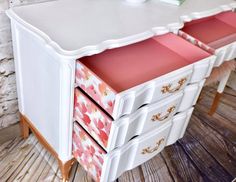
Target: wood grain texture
[[207, 153], [180, 165], [9, 133]]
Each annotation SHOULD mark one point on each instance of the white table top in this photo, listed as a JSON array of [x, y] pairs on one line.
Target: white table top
[[85, 27]]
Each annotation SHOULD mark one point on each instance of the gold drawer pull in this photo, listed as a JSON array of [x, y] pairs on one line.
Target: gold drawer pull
[[167, 88], [150, 150], [157, 117]]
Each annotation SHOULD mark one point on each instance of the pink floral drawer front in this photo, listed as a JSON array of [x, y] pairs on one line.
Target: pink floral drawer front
[[109, 166], [111, 134], [216, 34], [123, 79], [87, 152], [92, 118], [106, 167]]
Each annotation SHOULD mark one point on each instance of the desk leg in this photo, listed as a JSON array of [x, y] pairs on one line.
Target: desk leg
[[65, 169], [24, 128], [219, 93]]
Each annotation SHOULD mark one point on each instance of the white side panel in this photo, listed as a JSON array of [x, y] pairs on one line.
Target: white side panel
[[45, 89]]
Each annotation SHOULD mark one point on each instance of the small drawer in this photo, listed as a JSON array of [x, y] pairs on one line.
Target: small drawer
[[107, 167], [123, 79], [216, 34], [111, 133]]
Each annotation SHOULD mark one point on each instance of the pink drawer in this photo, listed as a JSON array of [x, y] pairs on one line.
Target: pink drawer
[[111, 133], [216, 34], [94, 160], [123, 79], [88, 153], [107, 166]]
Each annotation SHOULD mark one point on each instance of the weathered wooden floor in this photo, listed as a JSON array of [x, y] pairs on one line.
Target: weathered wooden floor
[[206, 153]]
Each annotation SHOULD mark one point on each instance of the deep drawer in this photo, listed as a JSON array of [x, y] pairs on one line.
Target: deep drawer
[[111, 134], [123, 79], [107, 167], [216, 34]]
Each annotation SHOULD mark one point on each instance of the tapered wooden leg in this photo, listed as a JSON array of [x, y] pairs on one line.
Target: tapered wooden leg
[[24, 128], [215, 103], [219, 93], [65, 169]]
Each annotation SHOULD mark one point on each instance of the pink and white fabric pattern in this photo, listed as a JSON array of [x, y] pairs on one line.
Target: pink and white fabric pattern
[[87, 152], [93, 120], [95, 88], [196, 42]]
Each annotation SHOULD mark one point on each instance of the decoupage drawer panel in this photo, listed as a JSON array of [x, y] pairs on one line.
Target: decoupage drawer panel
[[123, 79], [111, 133], [216, 34], [107, 167]]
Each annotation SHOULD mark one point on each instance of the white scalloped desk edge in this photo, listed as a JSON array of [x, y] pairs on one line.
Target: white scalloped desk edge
[[109, 44]]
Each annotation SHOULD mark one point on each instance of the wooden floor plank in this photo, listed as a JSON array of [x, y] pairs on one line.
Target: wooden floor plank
[[13, 158], [156, 170], [24, 169], [35, 175], [228, 97], [135, 175], [20, 160], [180, 166], [222, 125], [9, 133], [224, 109], [214, 143], [208, 166], [30, 170], [48, 173], [81, 175], [12, 146]]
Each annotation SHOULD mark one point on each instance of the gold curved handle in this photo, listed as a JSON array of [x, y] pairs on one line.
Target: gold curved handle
[[158, 117], [167, 88], [150, 150]]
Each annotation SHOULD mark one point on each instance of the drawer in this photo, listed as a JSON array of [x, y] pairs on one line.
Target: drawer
[[111, 133], [216, 34], [123, 79], [109, 166]]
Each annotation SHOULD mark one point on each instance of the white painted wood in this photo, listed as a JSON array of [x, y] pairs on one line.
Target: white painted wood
[[225, 53], [223, 82], [139, 122], [48, 37], [45, 85], [130, 100], [79, 27], [130, 155], [179, 125], [191, 94], [232, 80]]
